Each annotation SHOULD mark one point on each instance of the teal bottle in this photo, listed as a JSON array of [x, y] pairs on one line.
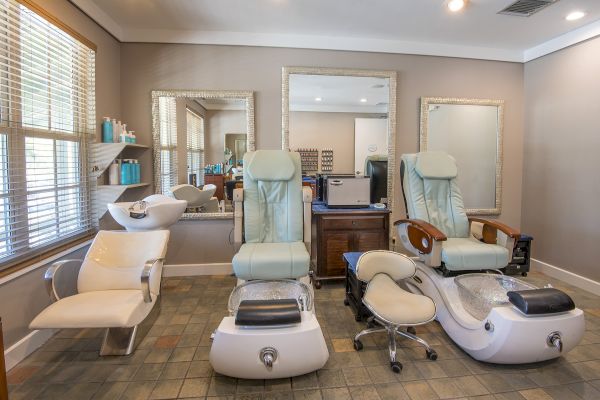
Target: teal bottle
[[107, 131]]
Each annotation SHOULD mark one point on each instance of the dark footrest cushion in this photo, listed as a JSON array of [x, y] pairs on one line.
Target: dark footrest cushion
[[541, 301], [268, 312]]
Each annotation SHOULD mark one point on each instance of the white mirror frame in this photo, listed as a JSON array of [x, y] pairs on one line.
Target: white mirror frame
[[391, 75], [246, 95], [423, 140]]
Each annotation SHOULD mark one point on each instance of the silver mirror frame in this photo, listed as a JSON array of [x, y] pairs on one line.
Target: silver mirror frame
[[246, 95], [391, 75], [423, 140]]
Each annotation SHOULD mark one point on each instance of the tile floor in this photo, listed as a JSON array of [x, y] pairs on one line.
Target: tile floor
[[172, 361]]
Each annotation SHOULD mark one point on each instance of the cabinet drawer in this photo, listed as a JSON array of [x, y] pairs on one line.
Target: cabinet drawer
[[346, 223]]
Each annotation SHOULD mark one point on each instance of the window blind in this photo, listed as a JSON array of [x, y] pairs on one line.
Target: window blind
[[167, 146], [47, 122], [195, 145]]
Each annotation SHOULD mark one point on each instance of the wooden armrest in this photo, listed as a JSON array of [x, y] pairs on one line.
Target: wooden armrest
[[422, 234], [491, 226], [424, 226]]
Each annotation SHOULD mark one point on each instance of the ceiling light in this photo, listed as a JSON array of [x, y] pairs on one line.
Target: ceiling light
[[575, 15], [363, 100], [456, 5], [318, 99]]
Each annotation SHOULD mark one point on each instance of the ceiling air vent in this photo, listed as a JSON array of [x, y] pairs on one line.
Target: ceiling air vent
[[526, 8]]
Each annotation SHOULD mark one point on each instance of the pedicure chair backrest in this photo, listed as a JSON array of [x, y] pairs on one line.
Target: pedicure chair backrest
[[115, 261], [432, 194], [272, 197], [438, 229]]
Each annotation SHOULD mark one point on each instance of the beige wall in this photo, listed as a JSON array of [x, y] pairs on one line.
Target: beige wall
[[332, 130], [561, 184], [24, 297], [145, 67], [218, 123]]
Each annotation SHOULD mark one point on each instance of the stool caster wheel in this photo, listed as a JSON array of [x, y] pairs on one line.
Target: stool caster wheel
[[346, 302], [411, 330], [431, 354], [396, 367], [358, 346], [371, 325], [357, 318], [523, 273], [317, 284]]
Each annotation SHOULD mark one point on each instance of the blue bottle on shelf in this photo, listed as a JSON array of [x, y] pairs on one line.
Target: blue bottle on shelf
[[136, 172], [107, 131], [125, 173]]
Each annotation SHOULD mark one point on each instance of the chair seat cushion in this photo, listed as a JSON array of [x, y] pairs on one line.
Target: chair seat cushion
[[271, 261], [460, 254], [394, 304], [99, 309]]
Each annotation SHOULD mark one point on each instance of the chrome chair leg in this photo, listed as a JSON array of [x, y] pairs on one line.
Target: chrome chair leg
[[367, 331], [392, 344], [431, 353]]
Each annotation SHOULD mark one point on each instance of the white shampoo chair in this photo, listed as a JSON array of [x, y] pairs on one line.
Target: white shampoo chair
[[116, 286], [202, 200]]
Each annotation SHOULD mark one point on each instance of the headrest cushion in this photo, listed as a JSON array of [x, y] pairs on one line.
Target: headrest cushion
[[436, 165], [269, 165]]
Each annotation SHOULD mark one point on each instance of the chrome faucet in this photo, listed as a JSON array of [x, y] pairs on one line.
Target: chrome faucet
[[555, 340]]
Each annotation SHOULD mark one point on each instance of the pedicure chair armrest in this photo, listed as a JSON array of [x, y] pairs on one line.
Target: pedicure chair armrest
[[145, 278], [307, 214], [422, 239], [494, 232], [238, 218], [61, 279]]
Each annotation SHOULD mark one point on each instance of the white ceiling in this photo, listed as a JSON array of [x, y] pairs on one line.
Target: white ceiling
[[338, 94], [392, 26]]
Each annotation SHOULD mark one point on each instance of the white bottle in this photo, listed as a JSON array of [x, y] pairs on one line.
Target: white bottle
[[115, 128], [114, 173]]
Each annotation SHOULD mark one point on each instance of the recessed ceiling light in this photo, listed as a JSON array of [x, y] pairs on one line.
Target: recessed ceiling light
[[363, 100], [456, 5], [575, 15], [318, 99]]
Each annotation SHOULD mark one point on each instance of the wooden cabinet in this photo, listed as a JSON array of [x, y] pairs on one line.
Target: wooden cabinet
[[338, 232], [219, 181]]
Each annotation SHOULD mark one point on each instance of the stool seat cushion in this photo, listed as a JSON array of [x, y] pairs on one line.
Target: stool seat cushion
[[97, 309], [395, 305]]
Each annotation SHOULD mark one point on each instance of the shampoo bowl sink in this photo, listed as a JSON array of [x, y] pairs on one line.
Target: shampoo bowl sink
[[153, 212]]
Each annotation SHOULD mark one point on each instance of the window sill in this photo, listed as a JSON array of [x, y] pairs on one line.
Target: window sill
[[25, 267]]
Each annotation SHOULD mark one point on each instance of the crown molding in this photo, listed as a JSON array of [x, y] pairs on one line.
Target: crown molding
[[226, 38]]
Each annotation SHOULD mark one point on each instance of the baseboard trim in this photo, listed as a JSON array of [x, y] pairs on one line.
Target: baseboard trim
[[170, 270], [566, 276], [27, 345]]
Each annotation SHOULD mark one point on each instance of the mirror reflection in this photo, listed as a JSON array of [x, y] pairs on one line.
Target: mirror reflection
[[339, 124], [470, 131], [201, 143]]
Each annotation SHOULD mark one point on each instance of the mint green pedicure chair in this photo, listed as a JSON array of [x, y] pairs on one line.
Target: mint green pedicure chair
[[272, 331]]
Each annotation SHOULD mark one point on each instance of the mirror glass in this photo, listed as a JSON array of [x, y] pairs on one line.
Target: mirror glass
[[337, 122], [471, 132], [200, 140]]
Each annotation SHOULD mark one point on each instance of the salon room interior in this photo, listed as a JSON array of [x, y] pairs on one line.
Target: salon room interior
[[284, 199]]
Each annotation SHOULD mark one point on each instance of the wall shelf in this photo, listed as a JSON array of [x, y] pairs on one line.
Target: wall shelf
[[103, 154]]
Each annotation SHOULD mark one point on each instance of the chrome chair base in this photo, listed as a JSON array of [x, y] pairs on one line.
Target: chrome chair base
[[392, 331], [123, 341]]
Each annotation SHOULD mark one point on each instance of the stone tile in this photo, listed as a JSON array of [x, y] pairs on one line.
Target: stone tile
[[357, 376], [175, 370], [311, 394], [222, 385], [535, 394], [275, 385], [124, 373], [20, 374], [110, 390], [392, 391], [419, 391], [250, 386], [363, 393], [278, 396], [200, 369], [168, 389], [148, 372], [181, 354], [329, 378], [446, 388], [340, 393], [167, 342], [343, 345], [585, 390], [307, 381], [195, 387], [471, 386], [382, 374]]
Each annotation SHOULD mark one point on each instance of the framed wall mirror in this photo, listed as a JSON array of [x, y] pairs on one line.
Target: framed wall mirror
[[200, 138], [471, 131], [338, 119]]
